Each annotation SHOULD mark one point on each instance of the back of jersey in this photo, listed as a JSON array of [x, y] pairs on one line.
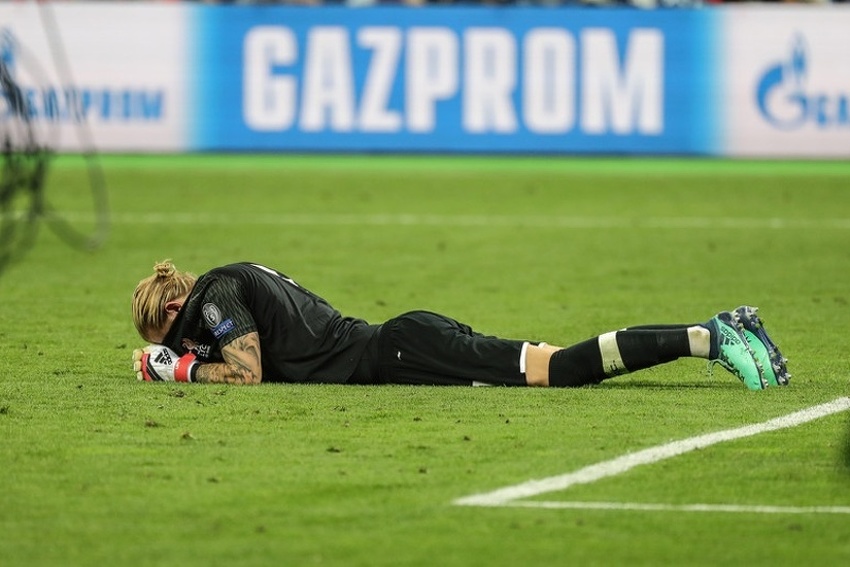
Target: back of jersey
[[302, 337]]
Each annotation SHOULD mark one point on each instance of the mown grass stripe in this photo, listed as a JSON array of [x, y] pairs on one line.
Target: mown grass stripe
[[507, 221], [603, 166]]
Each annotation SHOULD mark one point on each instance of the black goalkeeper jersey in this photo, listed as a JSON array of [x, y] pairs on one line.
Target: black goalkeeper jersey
[[302, 338]]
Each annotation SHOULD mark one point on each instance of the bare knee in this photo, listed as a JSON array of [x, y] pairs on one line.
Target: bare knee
[[537, 364]]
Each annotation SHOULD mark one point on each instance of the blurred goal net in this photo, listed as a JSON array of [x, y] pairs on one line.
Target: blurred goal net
[[29, 137]]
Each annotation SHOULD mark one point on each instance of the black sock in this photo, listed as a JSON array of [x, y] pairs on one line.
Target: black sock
[[662, 327], [577, 365], [596, 359], [641, 349]]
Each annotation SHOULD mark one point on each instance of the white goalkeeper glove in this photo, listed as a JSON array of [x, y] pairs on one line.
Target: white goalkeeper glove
[[157, 363]]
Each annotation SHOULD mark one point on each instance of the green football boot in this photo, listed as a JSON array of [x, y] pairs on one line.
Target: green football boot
[[767, 353], [731, 350]]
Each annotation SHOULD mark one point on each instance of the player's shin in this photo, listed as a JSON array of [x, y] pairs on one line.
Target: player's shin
[[615, 353]]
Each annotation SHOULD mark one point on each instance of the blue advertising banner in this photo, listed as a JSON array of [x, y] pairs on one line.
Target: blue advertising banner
[[453, 80]]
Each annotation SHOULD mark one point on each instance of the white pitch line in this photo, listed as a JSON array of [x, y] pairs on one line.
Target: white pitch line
[[619, 465], [647, 507], [507, 221]]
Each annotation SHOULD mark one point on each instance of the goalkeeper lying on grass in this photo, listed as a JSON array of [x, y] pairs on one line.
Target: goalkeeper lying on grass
[[246, 323]]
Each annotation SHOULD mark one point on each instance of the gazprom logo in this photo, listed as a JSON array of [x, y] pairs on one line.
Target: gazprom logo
[[412, 74], [71, 103], [787, 102]]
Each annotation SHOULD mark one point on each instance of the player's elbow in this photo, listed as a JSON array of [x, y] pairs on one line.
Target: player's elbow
[[254, 377]]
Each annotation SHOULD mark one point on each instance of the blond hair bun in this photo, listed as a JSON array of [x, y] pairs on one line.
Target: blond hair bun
[[164, 269]]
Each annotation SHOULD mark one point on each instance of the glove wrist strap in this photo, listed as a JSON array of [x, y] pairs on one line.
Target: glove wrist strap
[[185, 368]]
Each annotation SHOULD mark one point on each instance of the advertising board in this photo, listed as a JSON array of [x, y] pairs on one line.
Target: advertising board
[[763, 81], [453, 79]]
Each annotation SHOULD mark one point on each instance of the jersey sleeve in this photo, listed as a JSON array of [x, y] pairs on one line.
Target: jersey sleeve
[[225, 310]]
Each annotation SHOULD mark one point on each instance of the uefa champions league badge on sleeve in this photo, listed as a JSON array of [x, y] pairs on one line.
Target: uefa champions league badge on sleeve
[[212, 316]]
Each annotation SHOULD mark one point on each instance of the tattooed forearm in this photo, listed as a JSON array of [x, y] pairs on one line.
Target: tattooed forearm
[[242, 363]]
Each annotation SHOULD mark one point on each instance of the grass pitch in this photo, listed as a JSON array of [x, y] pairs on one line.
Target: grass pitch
[[101, 470]]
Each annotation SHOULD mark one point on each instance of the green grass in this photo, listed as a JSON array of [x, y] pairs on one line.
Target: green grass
[[101, 470]]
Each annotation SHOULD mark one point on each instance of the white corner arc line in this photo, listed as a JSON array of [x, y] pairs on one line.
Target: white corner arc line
[[619, 465]]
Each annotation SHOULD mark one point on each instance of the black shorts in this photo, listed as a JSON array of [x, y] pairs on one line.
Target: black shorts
[[421, 347]]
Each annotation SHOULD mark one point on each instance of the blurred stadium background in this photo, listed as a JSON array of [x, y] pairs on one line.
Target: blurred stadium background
[[556, 78], [733, 80]]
